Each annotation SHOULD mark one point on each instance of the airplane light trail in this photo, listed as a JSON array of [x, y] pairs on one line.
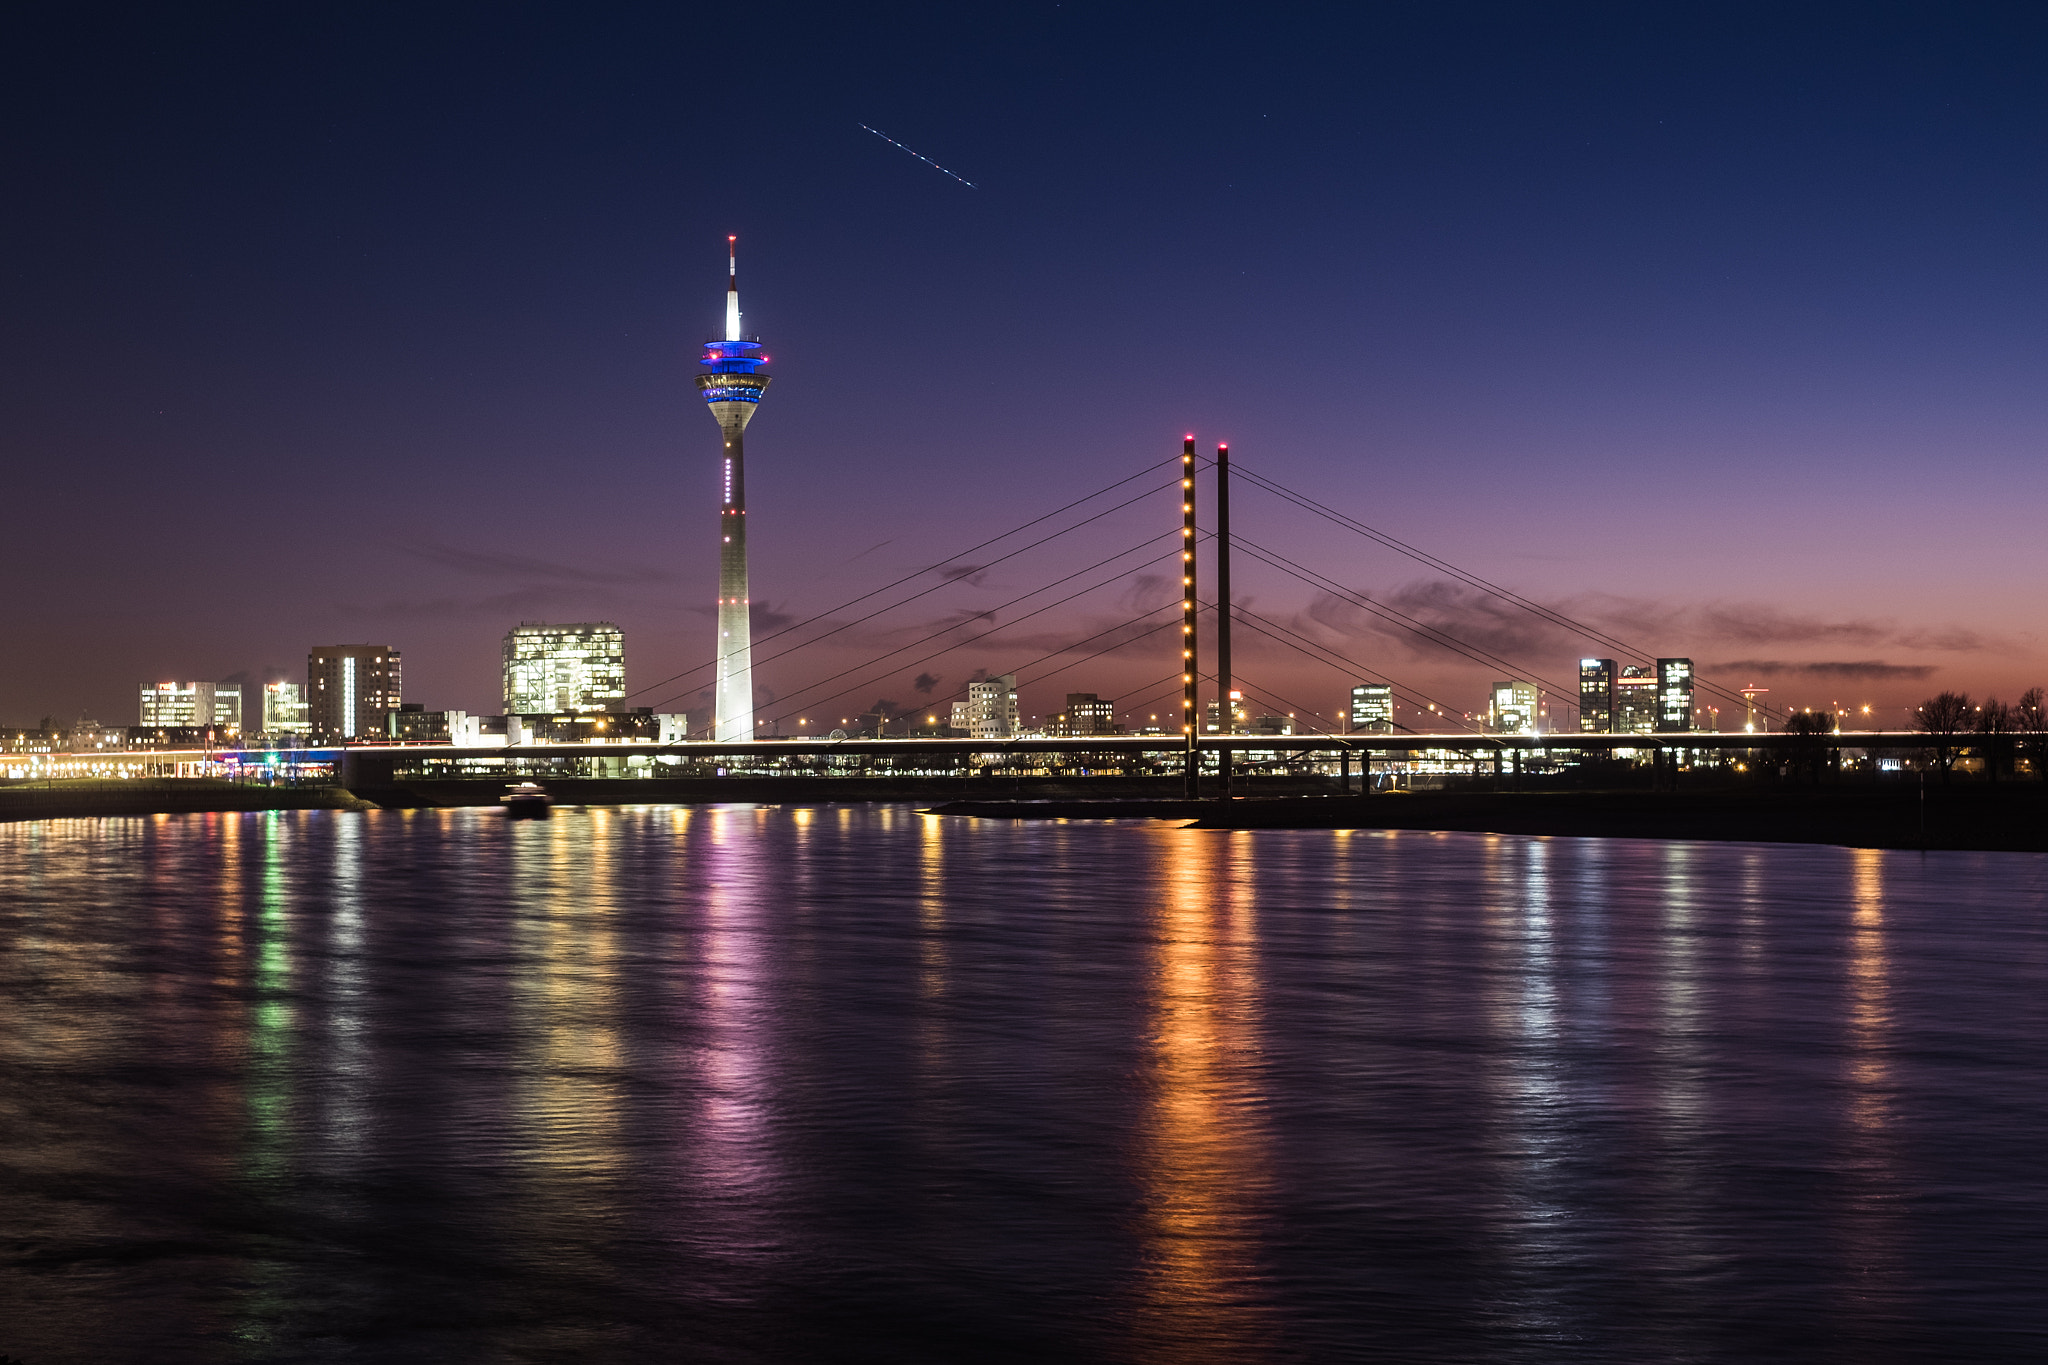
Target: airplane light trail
[[925, 159]]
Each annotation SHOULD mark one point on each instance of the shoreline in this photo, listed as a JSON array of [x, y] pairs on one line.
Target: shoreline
[[1976, 817]]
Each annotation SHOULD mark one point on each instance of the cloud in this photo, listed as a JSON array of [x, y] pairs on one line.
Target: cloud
[[1492, 626], [970, 574], [925, 682], [503, 565], [525, 603], [767, 617], [1867, 670]]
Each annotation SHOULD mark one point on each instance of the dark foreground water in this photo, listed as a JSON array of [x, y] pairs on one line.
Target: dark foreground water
[[858, 1084]]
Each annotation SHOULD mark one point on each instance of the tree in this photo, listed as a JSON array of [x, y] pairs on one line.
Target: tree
[[1810, 749], [1996, 723], [1942, 718], [2030, 722]]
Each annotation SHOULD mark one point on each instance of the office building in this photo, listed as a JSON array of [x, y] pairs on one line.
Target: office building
[[203, 705], [1635, 700], [1085, 714], [1212, 718], [574, 668], [350, 689], [1596, 696], [990, 711], [1511, 708], [1372, 708], [284, 709], [732, 386], [1674, 695]]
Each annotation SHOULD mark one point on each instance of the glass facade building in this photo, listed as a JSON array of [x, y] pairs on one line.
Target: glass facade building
[[1511, 708], [202, 704], [284, 709], [1372, 707], [1635, 700], [573, 668], [1674, 695], [1596, 696]]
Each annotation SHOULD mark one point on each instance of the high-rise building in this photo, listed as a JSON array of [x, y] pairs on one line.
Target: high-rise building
[[990, 711], [1511, 708], [1635, 700], [1596, 696], [200, 704], [1674, 695], [573, 668], [350, 689], [732, 386], [1372, 708], [284, 709]]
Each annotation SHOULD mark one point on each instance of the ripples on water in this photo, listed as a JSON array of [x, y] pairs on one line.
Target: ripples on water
[[853, 1083]]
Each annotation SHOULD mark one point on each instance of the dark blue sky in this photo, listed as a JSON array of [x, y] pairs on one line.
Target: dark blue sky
[[1721, 325]]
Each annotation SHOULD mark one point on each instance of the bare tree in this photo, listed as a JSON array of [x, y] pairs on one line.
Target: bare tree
[[1995, 722], [1810, 750], [2030, 722], [1943, 717]]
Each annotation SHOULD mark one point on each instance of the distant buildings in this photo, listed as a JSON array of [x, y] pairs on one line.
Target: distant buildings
[[1639, 700], [1212, 721], [350, 689], [1511, 708], [1372, 708], [990, 711], [1086, 714], [573, 668], [284, 709], [201, 704], [1596, 696]]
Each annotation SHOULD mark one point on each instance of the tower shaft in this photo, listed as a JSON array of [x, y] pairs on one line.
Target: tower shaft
[[733, 713]]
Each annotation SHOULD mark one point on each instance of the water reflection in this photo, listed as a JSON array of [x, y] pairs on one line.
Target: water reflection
[[730, 1156], [1871, 1213], [1205, 1163], [734, 1084]]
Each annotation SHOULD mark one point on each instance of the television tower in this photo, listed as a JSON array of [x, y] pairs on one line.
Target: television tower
[[733, 387]]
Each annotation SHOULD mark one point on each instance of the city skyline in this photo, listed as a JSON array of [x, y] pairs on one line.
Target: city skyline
[[1539, 336]]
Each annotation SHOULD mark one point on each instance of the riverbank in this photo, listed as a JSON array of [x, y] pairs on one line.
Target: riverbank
[[2008, 817], [66, 799]]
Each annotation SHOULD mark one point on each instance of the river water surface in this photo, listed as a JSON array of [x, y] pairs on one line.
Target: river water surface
[[853, 1083]]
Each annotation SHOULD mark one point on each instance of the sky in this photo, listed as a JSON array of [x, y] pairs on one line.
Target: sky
[[1719, 328]]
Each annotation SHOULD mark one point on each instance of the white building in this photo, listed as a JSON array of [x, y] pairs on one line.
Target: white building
[[571, 669], [192, 703], [990, 711]]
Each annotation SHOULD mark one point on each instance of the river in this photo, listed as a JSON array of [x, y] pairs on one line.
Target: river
[[854, 1083]]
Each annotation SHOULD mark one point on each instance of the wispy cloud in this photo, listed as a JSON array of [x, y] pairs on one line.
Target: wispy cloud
[[498, 564], [1488, 624], [1859, 670]]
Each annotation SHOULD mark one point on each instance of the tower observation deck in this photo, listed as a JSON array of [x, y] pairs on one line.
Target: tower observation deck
[[732, 385]]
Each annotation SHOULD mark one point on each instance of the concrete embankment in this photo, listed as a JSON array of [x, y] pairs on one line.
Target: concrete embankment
[[159, 796], [1984, 816]]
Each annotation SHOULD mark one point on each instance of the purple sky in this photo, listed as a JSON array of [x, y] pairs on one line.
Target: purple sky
[[1722, 329]]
